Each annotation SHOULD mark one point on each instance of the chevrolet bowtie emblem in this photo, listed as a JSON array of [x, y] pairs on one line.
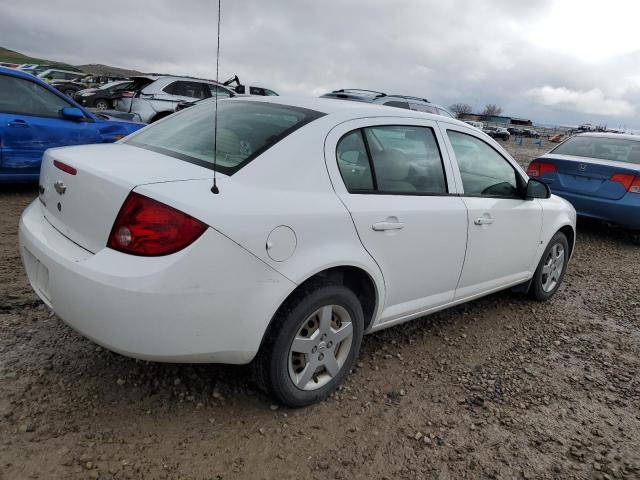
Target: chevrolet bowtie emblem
[[60, 187]]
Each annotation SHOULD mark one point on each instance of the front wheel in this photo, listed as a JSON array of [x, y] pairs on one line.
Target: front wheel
[[551, 269], [311, 346]]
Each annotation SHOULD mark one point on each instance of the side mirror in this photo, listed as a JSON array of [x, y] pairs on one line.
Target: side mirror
[[72, 113], [537, 189]]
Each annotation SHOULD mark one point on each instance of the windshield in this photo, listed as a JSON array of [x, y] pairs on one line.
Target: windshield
[[245, 130], [604, 148]]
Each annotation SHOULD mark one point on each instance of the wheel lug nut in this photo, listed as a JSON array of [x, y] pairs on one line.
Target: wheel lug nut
[[321, 357], [314, 349], [330, 344]]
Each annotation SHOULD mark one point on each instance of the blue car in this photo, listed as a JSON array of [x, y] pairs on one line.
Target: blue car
[[599, 173], [34, 116]]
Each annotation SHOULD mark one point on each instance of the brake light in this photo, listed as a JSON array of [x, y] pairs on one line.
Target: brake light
[[538, 168], [65, 168], [128, 94], [146, 227], [630, 183]]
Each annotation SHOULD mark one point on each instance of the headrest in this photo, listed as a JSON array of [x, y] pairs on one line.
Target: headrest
[[392, 164]]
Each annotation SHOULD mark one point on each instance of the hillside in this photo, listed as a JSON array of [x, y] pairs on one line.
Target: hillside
[[99, 69], [11, 56]]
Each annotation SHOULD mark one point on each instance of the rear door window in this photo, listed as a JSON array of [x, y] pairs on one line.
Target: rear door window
[[392, 159], [221, 92], [353, 162], [397, 104], [189, 89]]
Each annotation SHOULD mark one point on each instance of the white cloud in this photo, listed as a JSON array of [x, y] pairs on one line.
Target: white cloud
[[591, 101]]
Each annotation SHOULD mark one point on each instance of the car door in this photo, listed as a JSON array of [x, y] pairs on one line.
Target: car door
[[30, 122], [504, 228], [392, 176]]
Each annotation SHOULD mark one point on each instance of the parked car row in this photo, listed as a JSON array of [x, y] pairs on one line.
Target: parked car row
[[399, 101], [497, 132], [34, 116]]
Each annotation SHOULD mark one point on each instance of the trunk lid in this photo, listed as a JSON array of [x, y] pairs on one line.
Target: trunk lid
[[588, 176], [84, 206]]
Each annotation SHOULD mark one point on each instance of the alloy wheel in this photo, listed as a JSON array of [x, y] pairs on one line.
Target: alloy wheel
[[321, 347], [552, 268]]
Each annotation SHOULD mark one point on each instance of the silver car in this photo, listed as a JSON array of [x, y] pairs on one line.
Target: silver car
[[152, 97]]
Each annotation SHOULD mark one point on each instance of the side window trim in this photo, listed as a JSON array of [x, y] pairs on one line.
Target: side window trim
[[369, 159], [434, 130], [454, 159]]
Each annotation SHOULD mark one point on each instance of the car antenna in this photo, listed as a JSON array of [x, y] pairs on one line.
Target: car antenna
[[214, 188]]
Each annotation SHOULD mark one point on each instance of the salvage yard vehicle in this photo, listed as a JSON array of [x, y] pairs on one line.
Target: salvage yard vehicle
[[399, 101], [313, 222], [153, 97], [104, 96], [599, 173], [497, 132], [35, 116], [55, 74]]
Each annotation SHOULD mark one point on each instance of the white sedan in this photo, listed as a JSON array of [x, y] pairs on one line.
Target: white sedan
[[333, 219]]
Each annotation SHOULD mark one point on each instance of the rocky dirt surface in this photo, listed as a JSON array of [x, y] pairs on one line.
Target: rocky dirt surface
[[502, 387]]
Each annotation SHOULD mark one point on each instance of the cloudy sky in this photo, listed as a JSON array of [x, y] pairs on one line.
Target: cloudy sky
[[555, 61]]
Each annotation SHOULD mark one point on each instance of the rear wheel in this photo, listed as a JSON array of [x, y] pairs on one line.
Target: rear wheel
[[311, 346], [70, 93], [551, 269], [102, 105]]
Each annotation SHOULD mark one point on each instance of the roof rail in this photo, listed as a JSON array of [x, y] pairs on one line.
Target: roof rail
[[346, 90], [409, 97]]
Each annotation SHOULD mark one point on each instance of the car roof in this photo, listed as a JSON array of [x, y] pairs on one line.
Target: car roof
[[355, 109], [623, 136], [61, 70], [16, 73]]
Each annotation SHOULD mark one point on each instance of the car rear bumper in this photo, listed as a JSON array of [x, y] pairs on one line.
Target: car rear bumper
[[624, 211], [211, 302]]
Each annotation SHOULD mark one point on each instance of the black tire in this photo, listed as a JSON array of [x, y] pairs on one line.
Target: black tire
[[101, 103], [70, 92], [537, 290], [271, 365]]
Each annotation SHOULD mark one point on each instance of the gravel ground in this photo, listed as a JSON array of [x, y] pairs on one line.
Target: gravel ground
[[502, 387]]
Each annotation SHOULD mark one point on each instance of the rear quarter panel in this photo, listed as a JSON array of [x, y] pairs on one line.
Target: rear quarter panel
[[287, 185]]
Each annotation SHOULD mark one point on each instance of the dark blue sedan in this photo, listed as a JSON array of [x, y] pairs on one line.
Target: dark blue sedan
[[34, 116], [599, 173]]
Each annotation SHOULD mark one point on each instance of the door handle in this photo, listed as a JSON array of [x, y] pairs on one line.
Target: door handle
[[19, 124], [483, 221], [382, 226]]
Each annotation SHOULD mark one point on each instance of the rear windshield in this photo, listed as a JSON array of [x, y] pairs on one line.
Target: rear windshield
[[618, 149], [245, 130]]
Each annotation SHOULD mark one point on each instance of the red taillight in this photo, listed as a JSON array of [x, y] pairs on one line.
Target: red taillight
[[630, 183], [538, 168], [127, 94], [149, 228], [65, 168]]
